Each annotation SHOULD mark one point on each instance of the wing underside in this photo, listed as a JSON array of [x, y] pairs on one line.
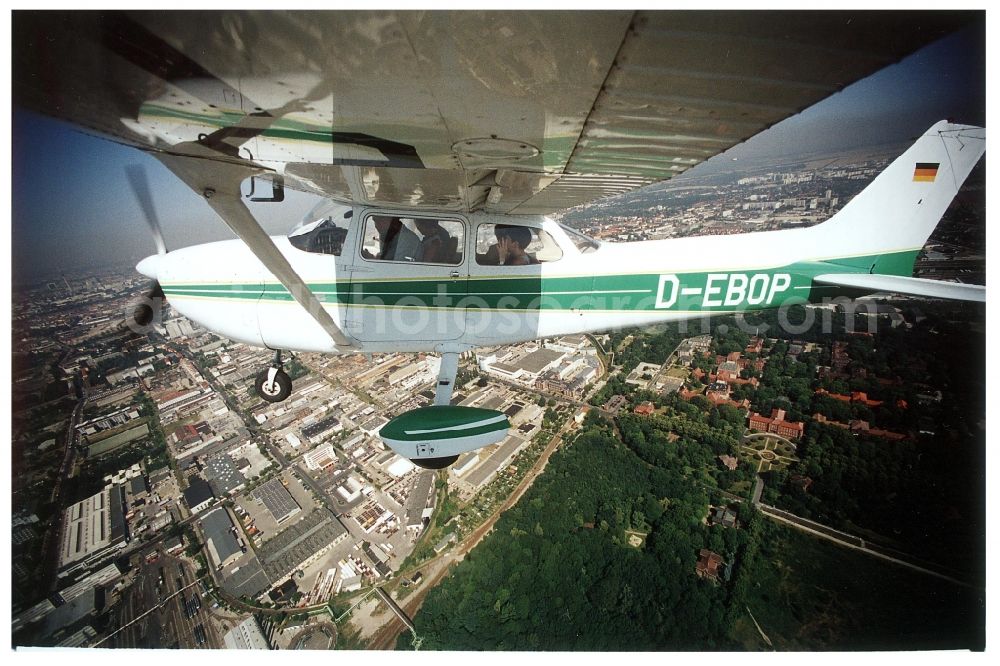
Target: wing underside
[[511, 112]]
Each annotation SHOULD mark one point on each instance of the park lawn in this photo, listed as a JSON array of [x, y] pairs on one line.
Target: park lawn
[[813, 594], [739, 488]]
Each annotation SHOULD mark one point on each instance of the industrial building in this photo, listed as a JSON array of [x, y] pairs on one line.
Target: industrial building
[[277, 500], [219, 529], [420, 503], [300, 544], [198, 494], [246, 636], [92, 528], [487, 470], [222, 475]]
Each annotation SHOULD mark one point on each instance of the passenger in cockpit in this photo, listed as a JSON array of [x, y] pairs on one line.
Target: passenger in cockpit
[[436, 243]]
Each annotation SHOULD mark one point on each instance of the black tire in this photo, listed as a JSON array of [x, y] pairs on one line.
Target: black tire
[[280, 390], [434, 463]]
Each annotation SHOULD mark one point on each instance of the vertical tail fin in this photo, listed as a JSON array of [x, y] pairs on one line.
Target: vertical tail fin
[[896, 213]]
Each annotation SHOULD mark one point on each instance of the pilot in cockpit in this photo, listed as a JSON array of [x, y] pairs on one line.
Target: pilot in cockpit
[[509, 249]]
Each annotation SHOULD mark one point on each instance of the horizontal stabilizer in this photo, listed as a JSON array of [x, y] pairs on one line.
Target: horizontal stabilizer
[[906, 285]]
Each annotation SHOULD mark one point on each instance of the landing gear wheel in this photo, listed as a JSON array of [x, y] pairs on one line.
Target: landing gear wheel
[[274, 390], [434, 463]]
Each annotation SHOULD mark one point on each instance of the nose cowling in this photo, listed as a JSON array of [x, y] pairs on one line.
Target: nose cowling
[[150, 266]]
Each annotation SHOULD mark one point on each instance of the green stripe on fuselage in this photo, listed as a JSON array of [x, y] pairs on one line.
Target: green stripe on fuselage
[[707, 291]]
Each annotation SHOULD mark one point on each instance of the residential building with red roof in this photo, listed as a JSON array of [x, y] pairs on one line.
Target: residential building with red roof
[[645, 409], [776, 424], [708, 564]]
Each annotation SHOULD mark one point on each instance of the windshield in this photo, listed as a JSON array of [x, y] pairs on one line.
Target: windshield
[[319, 213], [323, 229], [583, 242]]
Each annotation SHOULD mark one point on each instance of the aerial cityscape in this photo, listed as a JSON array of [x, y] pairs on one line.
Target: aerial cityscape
[[497, 330], [714, 484]]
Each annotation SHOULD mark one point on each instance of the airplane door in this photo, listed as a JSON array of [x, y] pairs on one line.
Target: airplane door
[[409, 281]]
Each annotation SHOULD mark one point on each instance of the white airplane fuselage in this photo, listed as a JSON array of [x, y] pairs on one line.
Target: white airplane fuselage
[[223, 287], [570, 286]]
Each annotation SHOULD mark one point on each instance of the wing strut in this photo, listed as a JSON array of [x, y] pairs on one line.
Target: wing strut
[[218, 181], [906, 285]]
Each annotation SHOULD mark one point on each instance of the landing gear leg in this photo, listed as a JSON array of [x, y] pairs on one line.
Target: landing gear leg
[[274, 384], [446, 378]]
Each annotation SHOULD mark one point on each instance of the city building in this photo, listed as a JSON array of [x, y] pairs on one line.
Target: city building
[[320, 457], [92, 528], [722, 515], [615, 403], [106, 421], [350, 490], [776, 424], [173, 546], [400, 467], [222, 475], [179, 327], [319, 431], [643, 374], [571, 344], [198, 495], [277, 500], [220, 537], [420, 503], [246, 636]]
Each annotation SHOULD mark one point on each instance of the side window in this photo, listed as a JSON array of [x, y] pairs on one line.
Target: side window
[[514, 245], [323, 231], [419, 240]]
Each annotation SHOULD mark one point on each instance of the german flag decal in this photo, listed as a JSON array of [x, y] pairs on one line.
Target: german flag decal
[[925, 172]]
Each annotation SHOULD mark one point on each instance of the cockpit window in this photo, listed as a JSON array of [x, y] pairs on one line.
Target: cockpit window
[[419, 240], [583, 242], [514, 245], [323, 229]]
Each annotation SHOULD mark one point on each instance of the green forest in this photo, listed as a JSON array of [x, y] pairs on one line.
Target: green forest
[[809, 594], [924, 495], [558, 571]]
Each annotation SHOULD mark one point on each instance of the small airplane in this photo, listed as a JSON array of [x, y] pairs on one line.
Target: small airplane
[[434, 234]]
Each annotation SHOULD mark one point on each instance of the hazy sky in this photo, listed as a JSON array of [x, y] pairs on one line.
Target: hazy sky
[[73, 208]]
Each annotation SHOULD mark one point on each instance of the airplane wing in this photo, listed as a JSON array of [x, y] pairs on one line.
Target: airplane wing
[[508, 112], [897, 284]]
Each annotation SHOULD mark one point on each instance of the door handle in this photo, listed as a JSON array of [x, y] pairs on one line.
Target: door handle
[[456, 274]]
